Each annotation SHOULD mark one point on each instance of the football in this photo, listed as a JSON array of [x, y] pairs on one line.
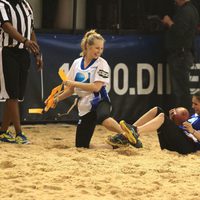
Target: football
[[179, 115]]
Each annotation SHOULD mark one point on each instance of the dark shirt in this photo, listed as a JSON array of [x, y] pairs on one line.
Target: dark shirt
[[182, 33]]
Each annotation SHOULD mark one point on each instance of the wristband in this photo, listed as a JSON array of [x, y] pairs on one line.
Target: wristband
[[25, 40]]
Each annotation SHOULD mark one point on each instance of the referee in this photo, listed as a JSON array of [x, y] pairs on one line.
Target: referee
[[17, 39]]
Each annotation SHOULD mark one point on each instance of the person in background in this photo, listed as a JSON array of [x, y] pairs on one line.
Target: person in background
[[179, 43], [88, 77], [183, 139], [17, 40]]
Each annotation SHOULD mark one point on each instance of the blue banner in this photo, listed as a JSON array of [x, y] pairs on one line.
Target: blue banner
[[139, 75]]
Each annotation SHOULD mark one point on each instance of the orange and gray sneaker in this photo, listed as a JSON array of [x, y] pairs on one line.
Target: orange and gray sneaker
[[119, 140], [130, 132]]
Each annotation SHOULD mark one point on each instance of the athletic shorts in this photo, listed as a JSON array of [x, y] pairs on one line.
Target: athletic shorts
[[173, 138], [15, 67]]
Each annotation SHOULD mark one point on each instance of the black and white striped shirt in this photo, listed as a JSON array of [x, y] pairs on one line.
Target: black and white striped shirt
[[20, 16]]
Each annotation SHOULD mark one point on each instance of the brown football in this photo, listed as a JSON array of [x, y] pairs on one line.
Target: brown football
[[180, 115]]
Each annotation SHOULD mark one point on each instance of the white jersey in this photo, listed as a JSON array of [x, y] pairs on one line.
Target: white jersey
[[97, 70]]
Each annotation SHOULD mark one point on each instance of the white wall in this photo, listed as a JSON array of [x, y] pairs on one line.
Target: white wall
[[81, 14], [64, 19], [65, 15], [37, 9]]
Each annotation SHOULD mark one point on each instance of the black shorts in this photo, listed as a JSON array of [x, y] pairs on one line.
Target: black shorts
[[15, 64], [173, 138], [88, 122]]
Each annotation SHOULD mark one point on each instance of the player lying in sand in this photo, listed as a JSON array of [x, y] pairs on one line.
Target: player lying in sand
[[183, 139]]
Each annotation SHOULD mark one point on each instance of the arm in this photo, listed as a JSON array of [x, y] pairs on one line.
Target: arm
[[167, 21], [91, 87], [8, 28], [190, 129], [67, 92], [196, 134], [31, 45], [181, 24]]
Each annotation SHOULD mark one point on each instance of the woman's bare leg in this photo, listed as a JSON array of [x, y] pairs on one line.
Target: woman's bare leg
[[151, 125], [112, 125], [146, 117]]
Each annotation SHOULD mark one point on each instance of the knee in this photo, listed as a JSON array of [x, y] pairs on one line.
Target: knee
[[158, 110], [105, 122], [161, 117], [103, 118], [154, 110]]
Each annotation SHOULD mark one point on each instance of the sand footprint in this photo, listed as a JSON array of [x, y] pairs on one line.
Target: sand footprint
[[7, 164], [52, 187]]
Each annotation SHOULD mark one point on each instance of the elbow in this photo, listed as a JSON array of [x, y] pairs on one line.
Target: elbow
[[96, 89], [6, 26]]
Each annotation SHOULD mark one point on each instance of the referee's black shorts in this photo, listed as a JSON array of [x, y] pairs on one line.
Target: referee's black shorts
[[16, 63], [173, 138]]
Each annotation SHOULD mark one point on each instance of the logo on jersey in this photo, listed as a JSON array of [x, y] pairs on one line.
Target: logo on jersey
[[103, 73], [82, 77]]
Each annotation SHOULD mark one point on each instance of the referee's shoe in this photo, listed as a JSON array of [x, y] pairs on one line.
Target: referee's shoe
[[21, 138], [6, 136]]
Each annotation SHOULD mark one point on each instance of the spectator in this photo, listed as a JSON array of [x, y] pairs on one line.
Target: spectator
[[179, 45]]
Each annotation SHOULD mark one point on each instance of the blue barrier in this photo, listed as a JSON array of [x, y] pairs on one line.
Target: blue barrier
[[139, 75]]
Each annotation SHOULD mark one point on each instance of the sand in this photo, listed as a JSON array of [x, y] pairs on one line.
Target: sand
[[51, 168]]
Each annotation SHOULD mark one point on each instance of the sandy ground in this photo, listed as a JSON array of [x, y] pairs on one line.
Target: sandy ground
[[51, 168]]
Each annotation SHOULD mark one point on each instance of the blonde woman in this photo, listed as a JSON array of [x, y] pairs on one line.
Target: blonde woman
[[88, 77]]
